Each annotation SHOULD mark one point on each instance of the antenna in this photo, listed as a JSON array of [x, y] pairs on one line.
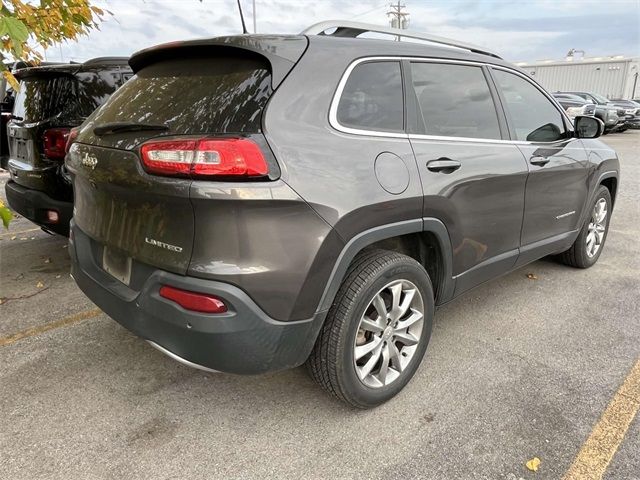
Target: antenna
[[244, 27]]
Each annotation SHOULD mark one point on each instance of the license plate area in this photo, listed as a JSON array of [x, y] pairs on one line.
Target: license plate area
[[20, 149], [117, 265]]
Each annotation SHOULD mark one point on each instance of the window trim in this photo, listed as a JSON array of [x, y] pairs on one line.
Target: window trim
[[333, 109]]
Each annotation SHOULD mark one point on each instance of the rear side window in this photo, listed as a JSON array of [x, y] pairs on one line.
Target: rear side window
[[372, 98], [194, 96], [454, 101], [532, 115], [41, 98]]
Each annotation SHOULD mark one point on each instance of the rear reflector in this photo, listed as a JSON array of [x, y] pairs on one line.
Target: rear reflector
[[207, 157], [52, 216], [55, 142], [197, 302]]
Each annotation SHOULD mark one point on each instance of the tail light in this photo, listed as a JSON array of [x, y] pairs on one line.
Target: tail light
[[55, 142], [206, 157], [197, 302], [73, 134]]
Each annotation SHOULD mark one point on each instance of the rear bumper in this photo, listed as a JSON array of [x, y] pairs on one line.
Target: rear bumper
[[34, 204], [244, 340]]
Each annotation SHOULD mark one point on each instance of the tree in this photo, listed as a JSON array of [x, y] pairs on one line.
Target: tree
[[25, 26]]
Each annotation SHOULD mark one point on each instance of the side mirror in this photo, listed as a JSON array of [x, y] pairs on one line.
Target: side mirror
[[588, 127]]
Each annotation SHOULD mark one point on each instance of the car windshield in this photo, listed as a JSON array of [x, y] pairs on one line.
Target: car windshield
[[41, 98], [600, 98]]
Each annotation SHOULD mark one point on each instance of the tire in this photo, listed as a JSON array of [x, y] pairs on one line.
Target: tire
[[580, 255], [354, 322]]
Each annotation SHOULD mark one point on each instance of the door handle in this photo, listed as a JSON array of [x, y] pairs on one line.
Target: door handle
[[444, 165], [540, 161]]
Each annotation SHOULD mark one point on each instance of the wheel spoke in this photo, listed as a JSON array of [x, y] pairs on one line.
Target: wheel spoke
[[396, 294], [384, 366], [406, 338], [381, 308], [394, 356], [370, 346], [601, 211], [365, 370], [599, 234], [406, 302], [413, 318], [376, 325]]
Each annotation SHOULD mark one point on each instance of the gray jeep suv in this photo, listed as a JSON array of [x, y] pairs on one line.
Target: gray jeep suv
[[253, 203]]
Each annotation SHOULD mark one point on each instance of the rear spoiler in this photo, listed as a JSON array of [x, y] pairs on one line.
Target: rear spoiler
[[281, 51]]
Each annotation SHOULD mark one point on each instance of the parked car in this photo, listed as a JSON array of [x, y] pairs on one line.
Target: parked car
[[6, 107], [7, 97], [631, 111], [604, 104], [606, 112], [574, 105], [252, 203], [51, 101]]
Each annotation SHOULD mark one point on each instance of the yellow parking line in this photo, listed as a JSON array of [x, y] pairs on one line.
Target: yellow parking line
[[30, 332], [605, 439]]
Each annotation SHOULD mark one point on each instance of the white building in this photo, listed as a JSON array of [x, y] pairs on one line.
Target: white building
[[613, 77]]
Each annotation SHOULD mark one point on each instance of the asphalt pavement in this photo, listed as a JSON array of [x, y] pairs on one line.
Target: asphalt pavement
[[522, 367]]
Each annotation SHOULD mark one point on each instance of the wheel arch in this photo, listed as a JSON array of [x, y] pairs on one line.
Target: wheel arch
[[610, 181], [424, 239]]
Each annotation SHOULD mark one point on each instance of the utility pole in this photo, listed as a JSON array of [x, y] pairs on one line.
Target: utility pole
[[398, 18], [255, 30]]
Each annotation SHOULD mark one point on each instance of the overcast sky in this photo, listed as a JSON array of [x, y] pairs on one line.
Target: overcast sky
[[526, 30]]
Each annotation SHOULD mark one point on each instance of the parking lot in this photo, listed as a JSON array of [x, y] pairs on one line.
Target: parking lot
[[525, 366]]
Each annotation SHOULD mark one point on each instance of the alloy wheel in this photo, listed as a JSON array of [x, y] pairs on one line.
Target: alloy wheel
[[388, 333], [597, 227]]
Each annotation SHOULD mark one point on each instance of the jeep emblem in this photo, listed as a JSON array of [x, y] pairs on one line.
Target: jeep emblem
[[89, 161]]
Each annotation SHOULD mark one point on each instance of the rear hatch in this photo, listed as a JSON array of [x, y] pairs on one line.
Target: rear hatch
[[182, 92], [45, 105]]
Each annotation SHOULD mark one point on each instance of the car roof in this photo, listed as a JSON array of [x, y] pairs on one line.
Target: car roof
[[356, 47], [72, 68]]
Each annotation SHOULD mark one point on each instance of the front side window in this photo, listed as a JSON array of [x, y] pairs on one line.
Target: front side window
[[454, 101], [533, 116], [372, 98]]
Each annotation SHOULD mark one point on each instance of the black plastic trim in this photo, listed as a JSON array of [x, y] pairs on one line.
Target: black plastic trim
[[382, 232]]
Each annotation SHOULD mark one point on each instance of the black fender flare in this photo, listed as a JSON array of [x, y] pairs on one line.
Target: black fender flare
[[592, 194], [382, 232]]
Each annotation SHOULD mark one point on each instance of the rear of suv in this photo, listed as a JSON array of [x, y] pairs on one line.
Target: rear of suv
[[51, 101], [252, 203]]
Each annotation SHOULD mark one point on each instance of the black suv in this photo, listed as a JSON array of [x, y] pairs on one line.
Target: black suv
[[251, 203], [52, 100]]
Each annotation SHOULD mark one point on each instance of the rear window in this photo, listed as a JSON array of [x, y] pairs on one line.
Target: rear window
[[95, 88], [41, 98], [194, 96]]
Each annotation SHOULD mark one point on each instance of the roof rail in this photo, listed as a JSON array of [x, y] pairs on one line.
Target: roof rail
[[349, 29]]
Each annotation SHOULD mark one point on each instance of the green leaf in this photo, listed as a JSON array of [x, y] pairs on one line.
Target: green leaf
[[13, 27], [6, 216]]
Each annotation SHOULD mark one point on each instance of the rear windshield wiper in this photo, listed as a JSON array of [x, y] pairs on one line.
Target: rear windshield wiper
[[15, 117], [115, 127]]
